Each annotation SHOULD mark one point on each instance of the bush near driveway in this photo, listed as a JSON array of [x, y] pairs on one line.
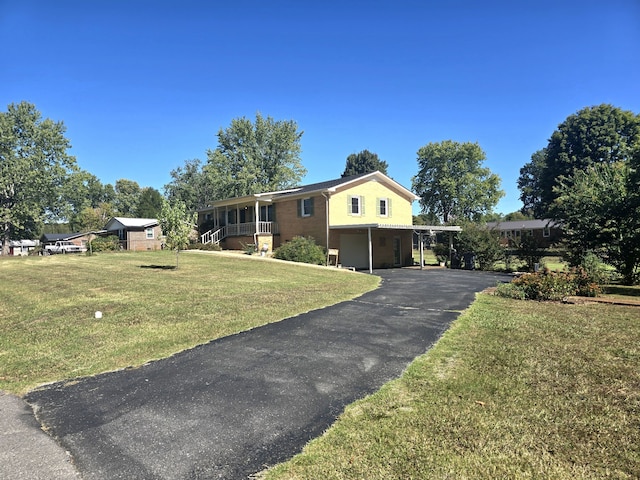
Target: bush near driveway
[[548, 285], [303, 250]]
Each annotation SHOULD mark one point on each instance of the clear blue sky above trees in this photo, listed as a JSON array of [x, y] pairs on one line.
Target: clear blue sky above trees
[[143, 86]]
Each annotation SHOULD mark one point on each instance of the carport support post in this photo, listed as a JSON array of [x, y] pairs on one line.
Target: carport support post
[[421, 244], [370, 251]]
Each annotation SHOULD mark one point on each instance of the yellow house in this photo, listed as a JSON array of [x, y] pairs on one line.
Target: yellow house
[[366, 220]]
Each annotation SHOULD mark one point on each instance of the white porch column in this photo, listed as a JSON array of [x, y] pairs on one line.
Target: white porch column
[[370, 251], [421, 243], [257, 218]]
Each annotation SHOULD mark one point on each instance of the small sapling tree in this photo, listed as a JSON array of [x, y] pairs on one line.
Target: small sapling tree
[[176, 226]]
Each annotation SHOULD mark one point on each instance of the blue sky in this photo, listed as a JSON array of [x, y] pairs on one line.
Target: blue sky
[[143, 86]]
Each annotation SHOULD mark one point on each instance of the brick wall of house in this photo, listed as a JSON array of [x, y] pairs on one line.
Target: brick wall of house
[[138, 241], [555, 235], [291, 225]]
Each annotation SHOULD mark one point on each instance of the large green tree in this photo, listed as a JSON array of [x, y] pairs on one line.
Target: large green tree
[[255, 157], [149, 203], [452, 183], [189, 184], [364, 162], [127, 197], [34, 165], [599, 209], [84, 196], [602, 134]]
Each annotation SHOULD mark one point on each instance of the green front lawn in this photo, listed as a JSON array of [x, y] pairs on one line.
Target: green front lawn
[[513, 390], [48, 329]]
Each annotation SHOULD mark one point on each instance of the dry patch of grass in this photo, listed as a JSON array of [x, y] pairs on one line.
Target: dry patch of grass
[[513, 390], [47, 304]]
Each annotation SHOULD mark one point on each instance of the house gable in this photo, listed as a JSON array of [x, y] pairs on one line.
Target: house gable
[[370, 201]]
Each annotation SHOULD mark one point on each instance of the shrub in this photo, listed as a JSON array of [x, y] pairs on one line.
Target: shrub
[[441, 251], [110, 243], [483, 242], [303, 250], [204, 246], [547, 285], [595, 268], [529, 251]]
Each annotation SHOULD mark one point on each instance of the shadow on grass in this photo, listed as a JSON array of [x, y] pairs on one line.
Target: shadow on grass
[[622, 290], [159, 267]]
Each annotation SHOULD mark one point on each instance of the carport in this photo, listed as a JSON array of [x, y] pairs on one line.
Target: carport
[[420, 230]]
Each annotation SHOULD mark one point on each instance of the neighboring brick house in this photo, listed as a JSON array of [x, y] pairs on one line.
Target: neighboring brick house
[[546, 232], [367, 218], [137, 234]]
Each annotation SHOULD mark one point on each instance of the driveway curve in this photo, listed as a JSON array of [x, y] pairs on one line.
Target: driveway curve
[[230, 407]]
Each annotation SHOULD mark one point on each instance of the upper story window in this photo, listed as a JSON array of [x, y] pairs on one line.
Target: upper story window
[[355, 205], [149, 233], [383, 207], [305, 207]]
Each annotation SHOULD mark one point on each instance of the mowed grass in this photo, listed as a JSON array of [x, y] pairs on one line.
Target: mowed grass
[[513, 390], [48, 329]]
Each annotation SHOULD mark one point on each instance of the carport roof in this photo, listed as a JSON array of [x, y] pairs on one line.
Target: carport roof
[[416, 228]]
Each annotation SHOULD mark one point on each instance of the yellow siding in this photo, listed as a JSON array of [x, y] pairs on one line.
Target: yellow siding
[[401, 213]]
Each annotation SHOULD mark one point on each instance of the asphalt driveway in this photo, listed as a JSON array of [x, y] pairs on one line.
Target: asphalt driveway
[[231, 407]]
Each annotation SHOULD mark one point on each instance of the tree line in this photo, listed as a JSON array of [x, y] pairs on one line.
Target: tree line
[[586, 177]]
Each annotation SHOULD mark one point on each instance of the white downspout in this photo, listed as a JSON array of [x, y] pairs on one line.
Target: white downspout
[[370, 251], [326, 215], [257, 216]]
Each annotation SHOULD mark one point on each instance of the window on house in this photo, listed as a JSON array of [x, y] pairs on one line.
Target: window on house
[[384, 207], [546, 232], [267, 213], [149, 233], [305, 207], [355, 205]]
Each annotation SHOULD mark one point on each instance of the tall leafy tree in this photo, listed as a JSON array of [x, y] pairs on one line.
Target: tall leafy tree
[[599, 207], [127, 197], [453, 184], [92, 218], [83, 192], [529, 184], [34, 165], [149, 204], [364, 162], [190, 185], [255, 157], [594, 135]]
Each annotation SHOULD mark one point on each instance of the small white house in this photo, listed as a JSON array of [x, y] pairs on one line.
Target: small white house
[[22, 248]]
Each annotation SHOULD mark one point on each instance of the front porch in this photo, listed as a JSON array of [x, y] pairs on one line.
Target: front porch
[[250, 217], [253, 229]]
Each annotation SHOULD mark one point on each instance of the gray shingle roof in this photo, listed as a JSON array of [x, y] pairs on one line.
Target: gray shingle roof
[[322, 185], [524, 224]]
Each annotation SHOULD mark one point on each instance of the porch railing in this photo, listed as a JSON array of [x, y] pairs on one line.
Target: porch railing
[[215, 236]]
